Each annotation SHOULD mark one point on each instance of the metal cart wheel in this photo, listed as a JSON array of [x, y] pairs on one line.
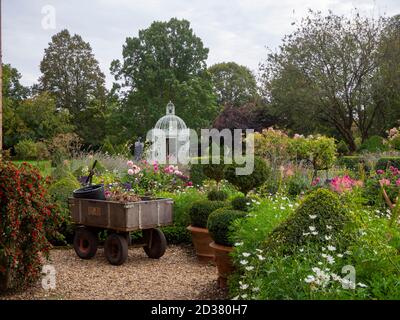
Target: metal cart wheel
[[85, 243], [155, 241], [116, 249]]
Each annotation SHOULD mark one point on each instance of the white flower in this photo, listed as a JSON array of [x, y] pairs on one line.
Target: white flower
[[246, 254], [306, 233], [339, 255], [290, 205], [320, 263], [301, 250], [335, 277], [244, 296], [249, 268], [243, 262], [329, 227], [256, 289], [244, 286], [312, 216], [331, 248], [327, 238], [312, 228], [259, 250], [314, 233], [237, 244], [362, 285], [347, 284], [309, 279], [260, 257], [330, 259]]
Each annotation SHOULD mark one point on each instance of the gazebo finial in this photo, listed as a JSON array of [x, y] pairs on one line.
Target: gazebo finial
[[170, 108]]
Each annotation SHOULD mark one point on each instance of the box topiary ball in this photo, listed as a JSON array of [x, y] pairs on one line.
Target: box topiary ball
[[217, 195], [319, 218], [241, 203], [219, 223], [200, 211]]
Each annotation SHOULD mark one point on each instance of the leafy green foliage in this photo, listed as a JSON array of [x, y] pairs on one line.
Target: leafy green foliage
[[166, 61], [177, 233], [241, 203], [320, 214], [215, 171], [246, 183], [217, 195], [385, 163], [233, 84], [73, 76], [200, 211], [219, 223], [26, 149], [374, 144], [309, 81]]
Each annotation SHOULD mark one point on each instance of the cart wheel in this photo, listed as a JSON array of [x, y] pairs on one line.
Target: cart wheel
[[156, 244], [116, 249], [85, 243]]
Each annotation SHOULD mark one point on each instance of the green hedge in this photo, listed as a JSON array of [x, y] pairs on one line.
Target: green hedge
[[217, 195]]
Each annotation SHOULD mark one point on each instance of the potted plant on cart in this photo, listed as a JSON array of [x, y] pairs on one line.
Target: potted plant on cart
[[219, 223], [201, 238]]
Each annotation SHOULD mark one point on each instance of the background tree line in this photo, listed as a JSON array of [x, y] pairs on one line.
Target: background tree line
[[334, 75]]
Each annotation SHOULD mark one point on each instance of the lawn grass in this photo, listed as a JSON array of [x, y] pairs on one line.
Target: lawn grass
[[44, 166]]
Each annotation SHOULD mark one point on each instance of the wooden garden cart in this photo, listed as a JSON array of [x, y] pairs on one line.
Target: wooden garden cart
[[119, 219]]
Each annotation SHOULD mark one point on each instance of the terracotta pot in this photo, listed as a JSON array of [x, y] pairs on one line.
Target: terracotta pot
[[201, 240], [224, 263]]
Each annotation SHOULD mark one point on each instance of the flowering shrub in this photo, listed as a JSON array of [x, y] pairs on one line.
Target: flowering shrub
[[150, 178], [26, 218], [389, 179], [394, 138], [344, 184], [315, 270]]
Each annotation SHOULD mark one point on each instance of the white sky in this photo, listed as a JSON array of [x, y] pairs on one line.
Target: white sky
[[233, 30]]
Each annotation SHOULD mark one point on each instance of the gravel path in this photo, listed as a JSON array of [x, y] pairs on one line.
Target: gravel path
[[177, 275]]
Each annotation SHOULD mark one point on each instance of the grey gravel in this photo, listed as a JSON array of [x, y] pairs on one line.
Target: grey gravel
[[176, 275]]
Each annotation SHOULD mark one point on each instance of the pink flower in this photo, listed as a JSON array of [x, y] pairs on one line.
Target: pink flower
[[380, 171], [107, 194], [342, 184], [135, 169], [316, 181], [189, 184], [384, 182], [131, 172], [129, 164], [398, 182]]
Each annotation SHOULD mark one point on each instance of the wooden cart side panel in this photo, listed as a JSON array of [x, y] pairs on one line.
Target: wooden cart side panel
[[121, 217]]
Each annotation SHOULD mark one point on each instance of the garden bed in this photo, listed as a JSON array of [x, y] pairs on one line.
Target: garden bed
[[176, 276]]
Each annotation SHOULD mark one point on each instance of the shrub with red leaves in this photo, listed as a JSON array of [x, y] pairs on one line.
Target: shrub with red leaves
[[27, 217]]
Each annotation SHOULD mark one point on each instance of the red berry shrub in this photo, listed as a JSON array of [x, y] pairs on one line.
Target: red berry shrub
[[27, 217]]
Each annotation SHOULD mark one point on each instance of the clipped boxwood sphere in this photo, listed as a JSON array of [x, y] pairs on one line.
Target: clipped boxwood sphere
[[200, 211], [320, 215], [240, 203], [245, 183], [219, 223], [217, 195]]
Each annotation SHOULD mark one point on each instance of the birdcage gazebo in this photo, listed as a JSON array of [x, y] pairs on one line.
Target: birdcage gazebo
[[170, 136]]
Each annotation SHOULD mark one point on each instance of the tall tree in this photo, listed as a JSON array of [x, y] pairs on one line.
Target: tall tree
[[167, 61], [325, 75], [233, 84], [72, 74], [13, 95]]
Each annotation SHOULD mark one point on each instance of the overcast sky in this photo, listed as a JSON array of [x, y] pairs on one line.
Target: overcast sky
[[233, 30]]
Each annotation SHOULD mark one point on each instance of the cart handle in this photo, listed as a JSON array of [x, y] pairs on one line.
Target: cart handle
[[91, 173]]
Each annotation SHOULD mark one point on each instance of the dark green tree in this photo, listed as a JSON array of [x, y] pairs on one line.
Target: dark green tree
[[325, 75], [166, 61], [72, 74], [233, 84]]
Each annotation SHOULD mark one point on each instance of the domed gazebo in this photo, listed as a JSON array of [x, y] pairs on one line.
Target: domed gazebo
[[171, 134]]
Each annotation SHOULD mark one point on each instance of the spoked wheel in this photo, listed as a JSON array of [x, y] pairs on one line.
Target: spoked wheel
[[156, 244], [116, 249], [85, 243]]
